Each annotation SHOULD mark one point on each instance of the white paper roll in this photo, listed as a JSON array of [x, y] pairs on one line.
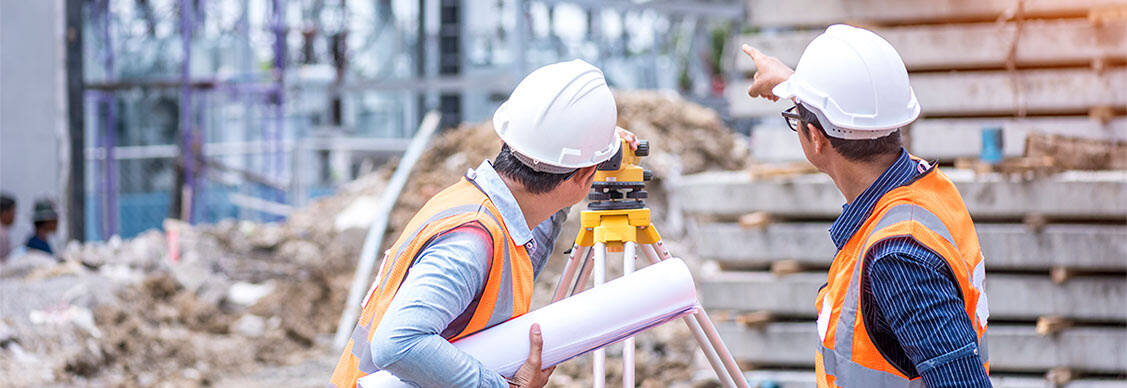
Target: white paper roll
[[584, 322]]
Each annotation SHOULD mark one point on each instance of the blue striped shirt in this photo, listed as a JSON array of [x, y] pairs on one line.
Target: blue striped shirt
[[918, 321]]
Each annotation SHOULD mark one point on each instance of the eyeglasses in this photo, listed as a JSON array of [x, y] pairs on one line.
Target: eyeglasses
[[793, 119]]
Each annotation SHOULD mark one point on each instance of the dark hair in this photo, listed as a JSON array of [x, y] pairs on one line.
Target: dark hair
[[7, 203], [534, 181], [856, 150]]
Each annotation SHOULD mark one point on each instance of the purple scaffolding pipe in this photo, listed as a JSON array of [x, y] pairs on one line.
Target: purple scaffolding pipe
[[108, 134], [279, 20], [187, 156]]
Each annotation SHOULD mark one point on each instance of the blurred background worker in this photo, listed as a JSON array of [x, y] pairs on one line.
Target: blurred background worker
[[904, 298], [46, 221], [7, 217], [467, 260]]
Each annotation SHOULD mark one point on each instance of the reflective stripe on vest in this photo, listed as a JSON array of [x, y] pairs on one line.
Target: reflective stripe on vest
[[838, 362]]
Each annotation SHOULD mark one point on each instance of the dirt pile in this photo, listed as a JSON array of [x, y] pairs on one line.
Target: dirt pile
[[227, 298]]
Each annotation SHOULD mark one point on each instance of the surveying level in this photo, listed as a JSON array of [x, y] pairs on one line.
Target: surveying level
[[617, 220], [620, 183]]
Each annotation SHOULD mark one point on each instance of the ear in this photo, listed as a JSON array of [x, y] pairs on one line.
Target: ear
[[817, 139], [585, 175]]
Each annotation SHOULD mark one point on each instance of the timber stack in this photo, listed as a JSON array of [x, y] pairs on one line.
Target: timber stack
[[1051, 76]]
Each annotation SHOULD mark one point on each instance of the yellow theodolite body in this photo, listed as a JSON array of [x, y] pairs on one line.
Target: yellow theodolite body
[[616, 227]]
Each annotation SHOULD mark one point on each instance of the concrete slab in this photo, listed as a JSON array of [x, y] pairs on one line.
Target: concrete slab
[[947, 139], [1012, 348], [765, 13], [978, 93], [1005, 246], [1011, 297], [980, 45], [1080, 195]]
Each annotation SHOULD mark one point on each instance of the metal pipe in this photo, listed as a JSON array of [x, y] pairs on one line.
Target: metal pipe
[[573, 261], [599, 375], [187, 156], [707, 347], [375, 235], [584, 274], [109, 132], [628, 256], [721, 349], [275, 139]]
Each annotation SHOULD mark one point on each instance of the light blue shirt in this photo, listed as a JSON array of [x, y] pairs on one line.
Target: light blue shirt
[[447, 278]]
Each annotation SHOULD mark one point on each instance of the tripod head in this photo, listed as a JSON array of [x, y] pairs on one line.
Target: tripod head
[[620, 183]]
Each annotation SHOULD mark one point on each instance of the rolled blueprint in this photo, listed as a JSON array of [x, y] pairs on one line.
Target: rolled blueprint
[[584, 322]]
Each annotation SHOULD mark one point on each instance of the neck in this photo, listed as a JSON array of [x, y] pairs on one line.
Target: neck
[[852, 178], [535, 207], [42, 234]]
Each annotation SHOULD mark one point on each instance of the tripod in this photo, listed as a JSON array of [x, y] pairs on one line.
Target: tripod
[[617, 220]]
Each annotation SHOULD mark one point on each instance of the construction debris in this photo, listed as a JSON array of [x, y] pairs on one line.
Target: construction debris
[[200, 305]]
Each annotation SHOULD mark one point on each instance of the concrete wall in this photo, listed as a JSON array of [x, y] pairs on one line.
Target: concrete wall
[[32, 107]]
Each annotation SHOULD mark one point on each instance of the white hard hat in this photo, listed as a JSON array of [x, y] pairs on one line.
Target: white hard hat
[[559, 118], [856, 80]]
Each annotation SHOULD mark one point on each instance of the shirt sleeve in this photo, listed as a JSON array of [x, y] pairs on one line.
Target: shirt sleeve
[[545, 236], [922, 306], [439, 287]]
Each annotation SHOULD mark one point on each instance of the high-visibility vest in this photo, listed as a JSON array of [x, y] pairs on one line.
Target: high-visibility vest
[[930, 211], [508, 287]]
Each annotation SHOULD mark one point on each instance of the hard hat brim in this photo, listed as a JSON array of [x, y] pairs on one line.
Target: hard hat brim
[[784, 90]]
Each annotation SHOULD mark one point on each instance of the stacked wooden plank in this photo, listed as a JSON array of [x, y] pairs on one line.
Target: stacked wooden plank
[[1045, 66], [1057, 287]]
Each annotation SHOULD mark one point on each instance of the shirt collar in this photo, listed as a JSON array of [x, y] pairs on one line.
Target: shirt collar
[[854, 214], [487, 179]]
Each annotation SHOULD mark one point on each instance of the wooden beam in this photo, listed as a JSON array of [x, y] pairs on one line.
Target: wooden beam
[[1011, 348], [1088, 195], [1005, 246], [766, 13], [970, 46], [948, 139], [968, 93], [1012, 297]]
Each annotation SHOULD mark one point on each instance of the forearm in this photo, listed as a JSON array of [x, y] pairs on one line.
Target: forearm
[[431, 361], [956, 369]]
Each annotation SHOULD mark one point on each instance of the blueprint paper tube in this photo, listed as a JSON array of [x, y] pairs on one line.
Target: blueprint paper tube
[[584, 322]]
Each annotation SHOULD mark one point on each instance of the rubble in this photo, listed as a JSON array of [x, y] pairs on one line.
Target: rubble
[[237, 301]]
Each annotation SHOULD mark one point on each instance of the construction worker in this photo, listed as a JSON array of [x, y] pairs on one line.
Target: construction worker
[[46, 222], [467, 259], [7, 218], [904, 304]]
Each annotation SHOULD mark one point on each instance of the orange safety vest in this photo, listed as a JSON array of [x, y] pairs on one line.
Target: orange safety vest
[[508, 287], [931, 211]]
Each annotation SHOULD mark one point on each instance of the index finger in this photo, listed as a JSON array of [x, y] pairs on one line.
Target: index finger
[[536, 342], [751, 51]]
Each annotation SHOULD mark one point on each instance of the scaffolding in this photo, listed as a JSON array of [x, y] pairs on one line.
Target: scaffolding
[[206, 109]]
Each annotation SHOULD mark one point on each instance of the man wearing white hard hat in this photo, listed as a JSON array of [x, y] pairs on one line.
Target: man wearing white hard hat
[[468, 258], [904, 303]]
